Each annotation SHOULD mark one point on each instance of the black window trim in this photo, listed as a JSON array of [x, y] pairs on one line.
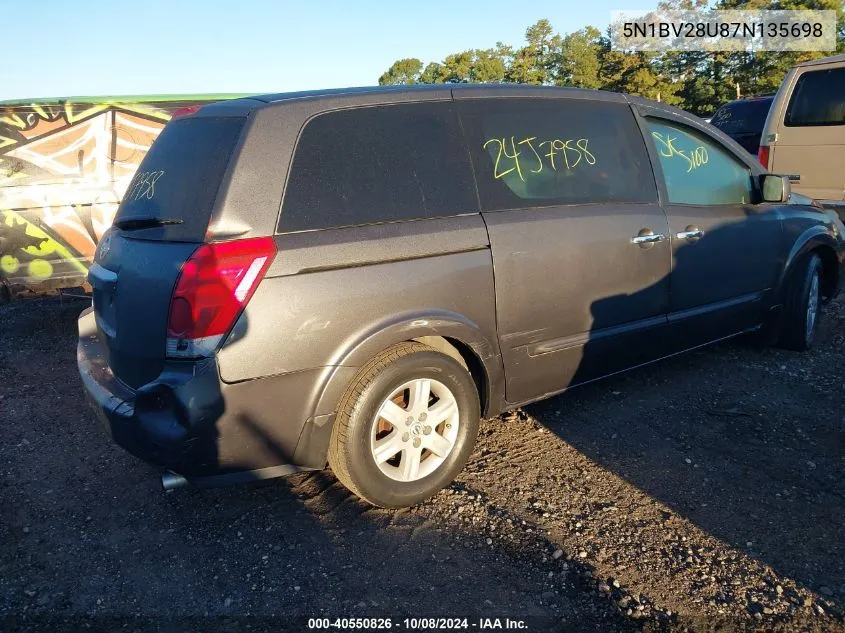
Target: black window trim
[[317, 114]]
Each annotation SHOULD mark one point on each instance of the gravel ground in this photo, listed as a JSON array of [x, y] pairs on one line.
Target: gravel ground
[[703, 493]]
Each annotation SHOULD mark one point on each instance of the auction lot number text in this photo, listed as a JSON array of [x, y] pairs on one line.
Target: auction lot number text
[[415, 623]]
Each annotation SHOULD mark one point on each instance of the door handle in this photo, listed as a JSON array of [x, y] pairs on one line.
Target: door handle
[[646, 238], [691, 233]]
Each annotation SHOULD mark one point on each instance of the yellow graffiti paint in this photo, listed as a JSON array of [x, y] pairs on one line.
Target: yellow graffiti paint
[[14, 120], [145, 110], [9, 264], [74, 117], [46, 246], [40, 269]]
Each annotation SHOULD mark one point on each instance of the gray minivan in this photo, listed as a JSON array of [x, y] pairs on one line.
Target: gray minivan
[[354, 277]]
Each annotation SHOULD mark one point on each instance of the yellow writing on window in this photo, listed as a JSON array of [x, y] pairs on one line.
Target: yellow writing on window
[[526, 156], [694, 158]]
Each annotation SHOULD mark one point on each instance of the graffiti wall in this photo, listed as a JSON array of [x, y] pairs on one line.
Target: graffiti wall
[[63, 169]]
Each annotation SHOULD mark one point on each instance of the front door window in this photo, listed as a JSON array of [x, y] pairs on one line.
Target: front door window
[[697, 170]]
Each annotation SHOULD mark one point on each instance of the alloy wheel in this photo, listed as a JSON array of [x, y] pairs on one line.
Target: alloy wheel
[[414, 430]]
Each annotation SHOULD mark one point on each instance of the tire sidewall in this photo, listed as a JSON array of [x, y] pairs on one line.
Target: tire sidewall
[[375, 485], [812, 270]]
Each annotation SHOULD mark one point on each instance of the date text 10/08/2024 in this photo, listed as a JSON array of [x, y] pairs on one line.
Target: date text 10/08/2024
[[417, 624]]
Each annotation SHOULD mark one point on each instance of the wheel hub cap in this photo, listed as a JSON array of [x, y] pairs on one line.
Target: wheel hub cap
[[415, 430]]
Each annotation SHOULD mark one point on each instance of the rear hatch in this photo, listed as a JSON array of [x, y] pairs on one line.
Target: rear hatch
[[162, 220], [744, 121]]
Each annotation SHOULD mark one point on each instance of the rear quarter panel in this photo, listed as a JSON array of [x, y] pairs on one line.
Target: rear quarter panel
[[337, 297]]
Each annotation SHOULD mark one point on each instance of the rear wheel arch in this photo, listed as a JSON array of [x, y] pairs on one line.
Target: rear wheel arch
[[467, 357], [451, 335], [382, 453]]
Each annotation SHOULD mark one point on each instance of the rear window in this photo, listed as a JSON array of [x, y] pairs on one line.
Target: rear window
[[742, 117], [180, 176], [547, 152], [378, 164], [818, 99]]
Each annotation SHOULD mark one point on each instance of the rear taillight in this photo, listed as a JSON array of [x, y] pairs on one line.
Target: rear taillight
[[763, 155], [213, 287]]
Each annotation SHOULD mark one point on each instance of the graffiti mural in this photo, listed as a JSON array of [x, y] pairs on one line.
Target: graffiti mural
[[64, 167]]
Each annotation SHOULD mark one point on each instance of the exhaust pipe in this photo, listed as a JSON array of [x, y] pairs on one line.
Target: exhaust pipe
[[171, 481]]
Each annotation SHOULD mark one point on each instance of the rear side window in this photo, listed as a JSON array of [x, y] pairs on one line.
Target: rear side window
[[818, 99], [378, 164], [698, 170], [742, 117], [179, 177], [545, 152]]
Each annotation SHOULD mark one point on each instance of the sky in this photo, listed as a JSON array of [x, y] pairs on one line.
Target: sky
[[59, 48]]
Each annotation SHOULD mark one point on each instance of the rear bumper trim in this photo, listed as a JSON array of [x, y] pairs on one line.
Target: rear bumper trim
[[190, 422]]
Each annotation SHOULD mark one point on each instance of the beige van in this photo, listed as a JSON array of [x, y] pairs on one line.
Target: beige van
[[804, 136]]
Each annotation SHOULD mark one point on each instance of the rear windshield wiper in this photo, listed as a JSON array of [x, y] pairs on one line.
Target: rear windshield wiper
[[133, 224]]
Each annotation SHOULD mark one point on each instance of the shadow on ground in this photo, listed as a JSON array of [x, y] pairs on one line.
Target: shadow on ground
[[87, 534], [746, 445]]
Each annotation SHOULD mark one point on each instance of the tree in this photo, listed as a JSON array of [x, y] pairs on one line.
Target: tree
[[456, 68], [487, 66], [404, 71], [578, 60], [693, 71], [697, 81], [431, 75], [762, 73], [532, 63]]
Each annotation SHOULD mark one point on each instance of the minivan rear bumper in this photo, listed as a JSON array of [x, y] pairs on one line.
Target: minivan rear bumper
[[189, 421]]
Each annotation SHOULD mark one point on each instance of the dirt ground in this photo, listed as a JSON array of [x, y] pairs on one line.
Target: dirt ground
[[703, 493]]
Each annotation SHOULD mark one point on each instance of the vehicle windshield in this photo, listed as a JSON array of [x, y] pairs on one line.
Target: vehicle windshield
[[742, 117]]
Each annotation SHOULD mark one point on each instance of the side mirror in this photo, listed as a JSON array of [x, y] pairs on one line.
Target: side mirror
[[775, 188]]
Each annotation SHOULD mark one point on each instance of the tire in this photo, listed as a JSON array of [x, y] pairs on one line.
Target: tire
[[802, 305], [392, 385]]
